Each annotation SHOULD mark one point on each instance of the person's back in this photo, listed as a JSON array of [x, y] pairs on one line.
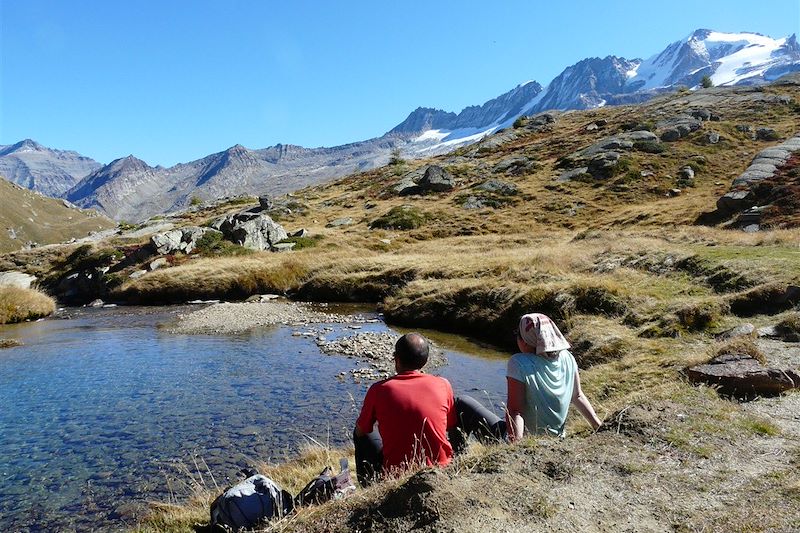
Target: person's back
[[413, 411]]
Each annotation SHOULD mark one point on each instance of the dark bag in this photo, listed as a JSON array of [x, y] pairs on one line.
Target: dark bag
[[327, 486], [250, 502]]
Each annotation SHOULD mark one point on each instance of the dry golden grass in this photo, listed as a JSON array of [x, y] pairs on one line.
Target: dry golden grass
[[18, 305]]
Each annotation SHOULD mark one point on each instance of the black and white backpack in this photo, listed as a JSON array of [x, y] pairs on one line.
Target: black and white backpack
[[249, 503]]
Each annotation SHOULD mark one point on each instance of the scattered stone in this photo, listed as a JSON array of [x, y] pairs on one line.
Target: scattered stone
[[473, 202], [742, 376], [12, 278], [742, 330], [701, 114], [96, 303], [744, 128], [570, 175], [712, 137], [766, 134], [345, 221], [735, 201], [592, 127], [686, 173], [602, 164], [300, 233], [266, 202], [137, 274], [158, 263], [406, 187], [498, 187], [283, 246], [437, 179], [674, 192], [671, 135], [770, 332], [514, 165]]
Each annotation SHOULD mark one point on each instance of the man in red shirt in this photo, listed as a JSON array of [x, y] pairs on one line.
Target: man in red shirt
[[413, 411]]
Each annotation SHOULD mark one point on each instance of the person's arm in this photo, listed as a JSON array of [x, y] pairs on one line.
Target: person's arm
[[582, 404], [366, 420], [515, 402]]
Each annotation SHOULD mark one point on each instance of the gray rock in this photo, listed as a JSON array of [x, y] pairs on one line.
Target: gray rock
[[158, 263], [592, 127], [437, 179], [498, 187], [255, 231], [603, 163], [742, 330], [96, 303], [742, 376], [750, 176], [671, 135], [701, 114], [642, 136], [266, 202], [735, 201], [776, 152], [712, 137], [762, 167], [744, 128], [345, 221], [513, 165], [406, 187], [138, 274], [766, 134], [473, 202], [283, 247], [12, 278], [686, 173], [300, 233], [178, 240], [674, 192], [570, 175]]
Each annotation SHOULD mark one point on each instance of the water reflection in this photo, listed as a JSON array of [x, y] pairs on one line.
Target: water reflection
[[97, 410]]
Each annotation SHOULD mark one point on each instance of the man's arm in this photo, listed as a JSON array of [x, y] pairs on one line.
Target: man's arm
[[516, 401], [366, 420], [582, 404]]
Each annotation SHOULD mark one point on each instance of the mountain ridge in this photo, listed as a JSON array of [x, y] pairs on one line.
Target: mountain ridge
[[135, 192]]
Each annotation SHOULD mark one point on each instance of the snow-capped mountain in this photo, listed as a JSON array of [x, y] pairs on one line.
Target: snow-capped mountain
[[130, 189], [51, 172], [727, 58]]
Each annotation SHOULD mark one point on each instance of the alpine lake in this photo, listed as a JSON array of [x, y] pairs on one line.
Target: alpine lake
[[102, 410]]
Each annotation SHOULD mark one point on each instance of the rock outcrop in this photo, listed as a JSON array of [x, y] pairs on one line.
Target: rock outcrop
[[742, 376], [256, 231], [178, 240]]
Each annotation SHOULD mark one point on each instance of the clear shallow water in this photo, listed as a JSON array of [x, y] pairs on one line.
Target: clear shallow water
[[105, 410]]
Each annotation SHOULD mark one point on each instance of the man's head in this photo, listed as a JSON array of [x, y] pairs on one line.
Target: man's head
[[410, 352]]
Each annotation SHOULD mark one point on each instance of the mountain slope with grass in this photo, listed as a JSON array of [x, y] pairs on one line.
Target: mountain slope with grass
[[27, 217]]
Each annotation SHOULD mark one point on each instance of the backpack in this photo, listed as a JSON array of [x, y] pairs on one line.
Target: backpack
[[326, 486], [250, 502]]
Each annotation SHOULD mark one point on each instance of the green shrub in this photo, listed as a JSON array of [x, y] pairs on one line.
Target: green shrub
[[213, 245], [519, 122], [401, 217], [195, 200], [706, 82]]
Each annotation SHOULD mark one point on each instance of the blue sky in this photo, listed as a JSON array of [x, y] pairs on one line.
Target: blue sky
[[172, 81]]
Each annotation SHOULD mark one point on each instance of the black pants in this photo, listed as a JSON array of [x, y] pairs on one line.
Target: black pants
[[472, 419]]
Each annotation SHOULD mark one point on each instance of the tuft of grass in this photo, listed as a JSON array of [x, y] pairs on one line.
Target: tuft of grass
[[212, 244], [789, 327], [402, 217], [738, 346], [18, 305], [304, 242]]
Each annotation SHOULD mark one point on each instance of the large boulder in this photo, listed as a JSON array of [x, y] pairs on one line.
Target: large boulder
[[602, 165], [742, 376], [178, 240], [256, 231], [11, 278], [498, 187], [735, 201], [437, 179]]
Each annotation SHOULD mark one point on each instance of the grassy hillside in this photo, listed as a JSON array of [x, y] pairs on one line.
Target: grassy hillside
[[26, 216]]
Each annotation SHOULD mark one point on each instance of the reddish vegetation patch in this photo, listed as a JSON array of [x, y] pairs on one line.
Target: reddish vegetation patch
[[782, 193]]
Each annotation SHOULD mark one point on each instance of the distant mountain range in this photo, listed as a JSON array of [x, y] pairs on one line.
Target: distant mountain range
[[130, 189]]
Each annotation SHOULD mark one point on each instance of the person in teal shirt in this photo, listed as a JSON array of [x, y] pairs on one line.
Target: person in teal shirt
[[543, 381]]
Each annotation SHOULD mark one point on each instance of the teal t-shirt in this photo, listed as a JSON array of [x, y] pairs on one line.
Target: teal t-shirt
[[548, 390]]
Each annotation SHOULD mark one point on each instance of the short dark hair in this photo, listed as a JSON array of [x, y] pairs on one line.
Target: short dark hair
[[412, 351]]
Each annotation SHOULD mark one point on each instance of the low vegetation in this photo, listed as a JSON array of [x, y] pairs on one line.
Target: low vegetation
[[19, 305]]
